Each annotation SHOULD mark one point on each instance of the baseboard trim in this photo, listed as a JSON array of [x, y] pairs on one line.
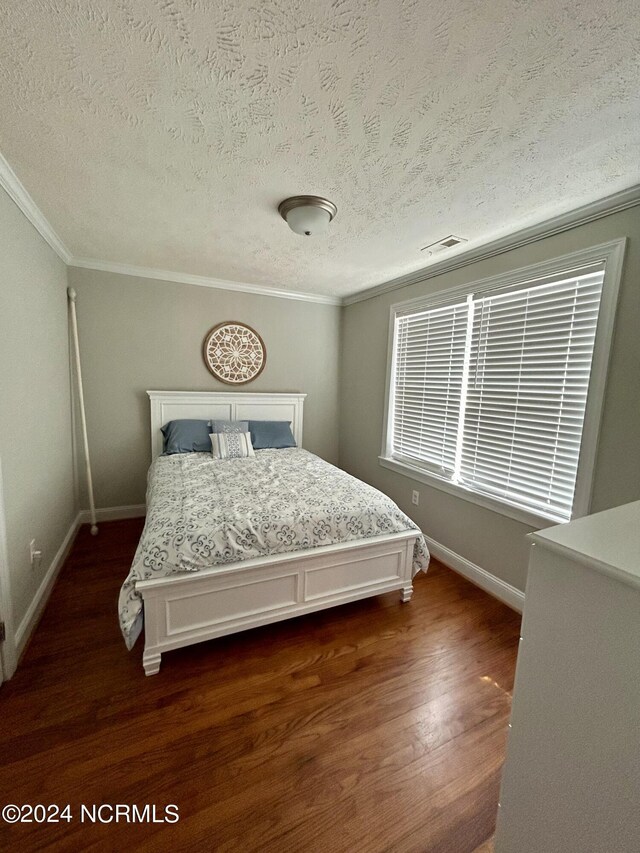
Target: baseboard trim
[[114, 513], [39, 602], [40, 599], [495, 586]]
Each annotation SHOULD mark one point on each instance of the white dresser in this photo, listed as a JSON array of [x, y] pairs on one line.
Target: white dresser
[[571, 782]]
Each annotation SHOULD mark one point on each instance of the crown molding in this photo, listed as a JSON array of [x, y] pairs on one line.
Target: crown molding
[[623, 200], [14, 188], [16, 191], [548, 228], [203, 281]]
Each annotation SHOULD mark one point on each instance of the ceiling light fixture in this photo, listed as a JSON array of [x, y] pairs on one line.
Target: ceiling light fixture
[[307, 214]]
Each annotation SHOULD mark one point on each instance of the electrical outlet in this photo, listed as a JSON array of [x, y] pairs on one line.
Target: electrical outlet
[[35, 555], [415, 497]]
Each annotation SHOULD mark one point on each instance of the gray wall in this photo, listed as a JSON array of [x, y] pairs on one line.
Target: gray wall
[[137, 334], [35, 406], [493, 541]]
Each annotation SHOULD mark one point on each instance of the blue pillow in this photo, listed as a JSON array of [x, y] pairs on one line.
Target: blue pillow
[[276, 434], [186, 436]]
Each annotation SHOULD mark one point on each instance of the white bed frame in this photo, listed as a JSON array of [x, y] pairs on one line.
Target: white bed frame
[[183, 609]]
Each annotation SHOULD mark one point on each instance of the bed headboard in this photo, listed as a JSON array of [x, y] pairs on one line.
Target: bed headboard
[[223, 405]]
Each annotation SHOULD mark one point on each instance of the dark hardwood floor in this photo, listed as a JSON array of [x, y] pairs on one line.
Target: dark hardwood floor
[[374, 726]]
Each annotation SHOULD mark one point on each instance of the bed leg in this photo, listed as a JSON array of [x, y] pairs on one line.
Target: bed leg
[[151, 663], [407, 592]]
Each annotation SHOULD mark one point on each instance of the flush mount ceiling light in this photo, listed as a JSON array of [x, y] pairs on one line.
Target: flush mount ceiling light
[[307, 214]]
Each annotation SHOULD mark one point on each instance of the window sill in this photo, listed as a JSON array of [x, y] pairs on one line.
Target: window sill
[[525, 516]]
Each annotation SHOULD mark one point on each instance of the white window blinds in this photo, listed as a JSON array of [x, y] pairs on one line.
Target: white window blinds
[[430, 352], [490, 393]]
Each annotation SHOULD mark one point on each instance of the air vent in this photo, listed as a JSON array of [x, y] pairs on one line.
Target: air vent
[[440, 245]]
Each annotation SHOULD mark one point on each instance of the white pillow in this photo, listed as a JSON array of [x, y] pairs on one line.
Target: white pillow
[[231, 445]]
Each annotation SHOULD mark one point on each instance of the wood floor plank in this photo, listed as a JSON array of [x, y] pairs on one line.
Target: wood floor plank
[[370, 727]]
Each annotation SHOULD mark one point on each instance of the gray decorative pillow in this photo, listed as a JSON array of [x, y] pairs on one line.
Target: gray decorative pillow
[[229, 426], [231, 445]]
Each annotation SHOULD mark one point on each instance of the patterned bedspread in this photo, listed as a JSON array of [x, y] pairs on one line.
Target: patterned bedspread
[[203, 512]]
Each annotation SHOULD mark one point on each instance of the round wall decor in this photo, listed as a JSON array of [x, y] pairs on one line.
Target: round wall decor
[[234, 353]]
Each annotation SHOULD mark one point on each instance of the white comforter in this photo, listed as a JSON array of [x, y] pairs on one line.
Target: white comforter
[[203, 512]]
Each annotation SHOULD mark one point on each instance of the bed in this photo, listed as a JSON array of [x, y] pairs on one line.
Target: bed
[[237, 543]]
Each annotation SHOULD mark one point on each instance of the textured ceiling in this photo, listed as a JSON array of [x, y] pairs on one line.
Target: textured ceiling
[[163, 133]]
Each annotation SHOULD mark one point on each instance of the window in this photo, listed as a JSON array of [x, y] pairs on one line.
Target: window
[[490, 386]]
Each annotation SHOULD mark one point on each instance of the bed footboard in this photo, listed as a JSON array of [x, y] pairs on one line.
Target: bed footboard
[[184, 609]]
